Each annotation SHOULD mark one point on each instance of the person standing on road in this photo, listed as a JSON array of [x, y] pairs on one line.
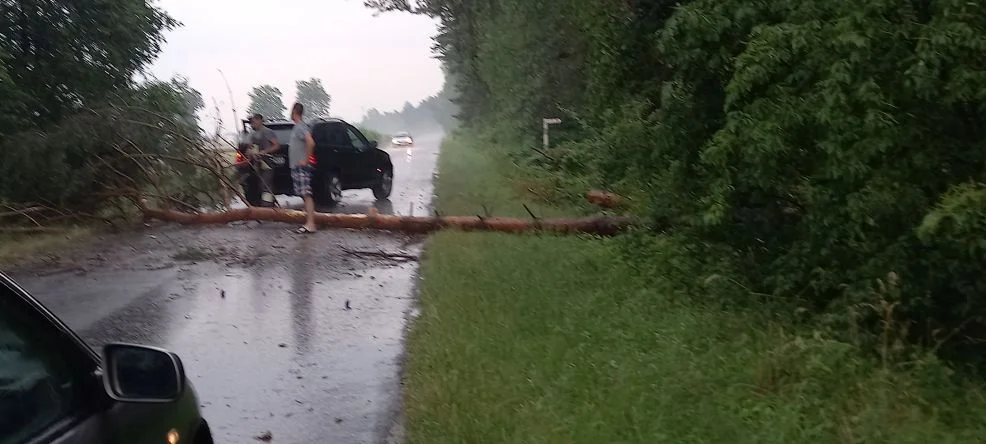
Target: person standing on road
[[301, 154], [263, 142]]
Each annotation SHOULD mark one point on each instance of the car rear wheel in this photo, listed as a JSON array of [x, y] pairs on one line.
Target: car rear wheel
[[385, 186], [252, 191], [330, 191]]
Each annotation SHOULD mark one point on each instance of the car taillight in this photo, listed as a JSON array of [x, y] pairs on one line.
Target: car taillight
[[239, 157]]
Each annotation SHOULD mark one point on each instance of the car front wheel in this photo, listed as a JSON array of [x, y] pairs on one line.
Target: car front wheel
[[330, 190], [385, 186]]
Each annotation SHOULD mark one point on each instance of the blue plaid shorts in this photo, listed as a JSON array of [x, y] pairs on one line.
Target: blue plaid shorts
[[302, 179]]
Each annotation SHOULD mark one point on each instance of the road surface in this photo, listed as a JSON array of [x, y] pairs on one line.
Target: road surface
[[300, 336]]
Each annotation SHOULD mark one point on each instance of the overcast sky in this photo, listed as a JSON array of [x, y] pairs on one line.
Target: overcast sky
[[364, 61]]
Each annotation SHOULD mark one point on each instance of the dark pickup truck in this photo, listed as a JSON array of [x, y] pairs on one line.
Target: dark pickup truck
[[344, 160]]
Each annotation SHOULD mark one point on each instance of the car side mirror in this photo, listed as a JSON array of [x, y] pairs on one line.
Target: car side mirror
[[137, 373], [373, 144]]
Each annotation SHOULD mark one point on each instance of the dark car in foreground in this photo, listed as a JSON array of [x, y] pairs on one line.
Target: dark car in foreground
[[344, 160], [55, 389]]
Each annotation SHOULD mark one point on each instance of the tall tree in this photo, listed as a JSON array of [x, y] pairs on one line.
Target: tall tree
[[266, 100], [64, 54], [312, 95], [78, 126], [191, 99]]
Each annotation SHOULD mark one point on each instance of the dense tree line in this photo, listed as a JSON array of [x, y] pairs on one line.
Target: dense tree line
[[78, 128], [434, 113], [815, 152]]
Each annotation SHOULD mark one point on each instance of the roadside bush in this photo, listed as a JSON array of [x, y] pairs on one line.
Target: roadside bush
[[78, 129], [139, 142], [802, 149], [842, 130]]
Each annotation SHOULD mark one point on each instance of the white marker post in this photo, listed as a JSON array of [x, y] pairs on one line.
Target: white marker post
[[544, 127]]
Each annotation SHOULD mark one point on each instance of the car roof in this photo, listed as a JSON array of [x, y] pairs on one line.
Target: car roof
[[285, 122]]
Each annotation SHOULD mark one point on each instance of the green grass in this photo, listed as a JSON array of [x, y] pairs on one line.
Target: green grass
[[15, 247], [475, 178], [544, 339]]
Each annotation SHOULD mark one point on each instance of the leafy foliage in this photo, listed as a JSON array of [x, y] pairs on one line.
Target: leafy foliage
[[190, 98], [141, 142], [311, 94], [267, 101], [816, 146], [77, 131], [62, 54]]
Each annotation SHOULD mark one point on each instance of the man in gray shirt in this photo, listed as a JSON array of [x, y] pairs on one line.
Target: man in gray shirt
[[301, 155], [263, 142]]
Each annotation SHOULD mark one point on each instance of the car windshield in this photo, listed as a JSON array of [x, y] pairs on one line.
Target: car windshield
[[402, 135], [282, 132]]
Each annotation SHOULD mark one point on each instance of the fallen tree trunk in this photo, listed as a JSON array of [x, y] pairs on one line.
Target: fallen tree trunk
[[606, 226]]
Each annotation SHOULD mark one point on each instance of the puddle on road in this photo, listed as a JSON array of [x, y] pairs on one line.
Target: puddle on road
[[287, 350]]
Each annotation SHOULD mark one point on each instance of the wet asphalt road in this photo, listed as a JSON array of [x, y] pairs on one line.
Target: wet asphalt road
[[300, 336]]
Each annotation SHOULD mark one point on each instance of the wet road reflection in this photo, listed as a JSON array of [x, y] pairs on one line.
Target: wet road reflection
[[301, 297]]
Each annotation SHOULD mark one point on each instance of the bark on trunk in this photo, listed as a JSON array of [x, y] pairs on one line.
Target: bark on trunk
[[606, 226]]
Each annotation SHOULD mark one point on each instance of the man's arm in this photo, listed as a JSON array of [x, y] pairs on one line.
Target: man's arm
[[309, 144], [274, 144]]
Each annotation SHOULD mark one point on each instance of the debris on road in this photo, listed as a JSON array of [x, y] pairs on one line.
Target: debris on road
[[381, 254], [265, 437]]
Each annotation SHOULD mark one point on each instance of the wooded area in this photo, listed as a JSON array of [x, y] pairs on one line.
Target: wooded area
[[807, 150], [78, 132]]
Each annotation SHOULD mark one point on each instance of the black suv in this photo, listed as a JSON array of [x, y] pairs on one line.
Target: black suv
[[55, 389], [344, 160]]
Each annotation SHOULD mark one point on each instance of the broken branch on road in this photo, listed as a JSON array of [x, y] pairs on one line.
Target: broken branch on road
[[381, 255]]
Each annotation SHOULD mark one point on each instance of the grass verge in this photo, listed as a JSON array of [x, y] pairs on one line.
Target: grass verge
[[15, 247], [545, 339]]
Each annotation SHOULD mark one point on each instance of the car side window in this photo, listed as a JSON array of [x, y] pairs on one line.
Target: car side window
[[41, 383], [356, 140], [336, 137], [321, 134]]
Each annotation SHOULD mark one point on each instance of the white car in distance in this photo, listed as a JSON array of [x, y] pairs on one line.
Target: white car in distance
[[402, 139]]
